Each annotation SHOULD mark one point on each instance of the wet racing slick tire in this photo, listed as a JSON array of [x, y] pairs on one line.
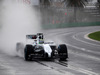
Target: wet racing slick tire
[[62, 52], [27, 51], [46, 56]]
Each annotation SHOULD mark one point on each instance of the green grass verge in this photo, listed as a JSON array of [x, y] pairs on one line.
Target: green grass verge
[[95, 35]]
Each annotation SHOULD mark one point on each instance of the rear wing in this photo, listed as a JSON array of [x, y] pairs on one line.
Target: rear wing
[[36, 38], [38, 35], [31, 36]]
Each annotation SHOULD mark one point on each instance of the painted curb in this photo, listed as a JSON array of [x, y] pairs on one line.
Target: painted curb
[[86, 37]]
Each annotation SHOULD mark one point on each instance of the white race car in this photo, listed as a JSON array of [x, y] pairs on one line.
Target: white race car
[[36, 48]]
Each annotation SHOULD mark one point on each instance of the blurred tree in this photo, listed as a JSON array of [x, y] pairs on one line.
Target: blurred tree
[[98, 1], [75, 4], [45, 2], [98, 5], [68, 3]]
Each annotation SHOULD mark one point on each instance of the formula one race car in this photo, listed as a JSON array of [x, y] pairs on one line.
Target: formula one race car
[[36, 48]]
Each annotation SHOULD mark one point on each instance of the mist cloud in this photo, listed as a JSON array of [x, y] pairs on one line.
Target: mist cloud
[[18, 20]]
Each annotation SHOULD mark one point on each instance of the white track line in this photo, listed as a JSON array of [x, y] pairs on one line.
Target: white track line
[[88, 56], [84, 71], [86, 37], [77, 69], [83, 49], [88, 72], [74, 37]]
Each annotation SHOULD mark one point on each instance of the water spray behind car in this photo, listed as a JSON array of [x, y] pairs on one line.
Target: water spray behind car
[[18, 20]]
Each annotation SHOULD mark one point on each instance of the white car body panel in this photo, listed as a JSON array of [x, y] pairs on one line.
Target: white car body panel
[[47, 49]]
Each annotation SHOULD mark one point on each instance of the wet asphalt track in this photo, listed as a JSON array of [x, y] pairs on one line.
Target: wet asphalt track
[[84, 56]]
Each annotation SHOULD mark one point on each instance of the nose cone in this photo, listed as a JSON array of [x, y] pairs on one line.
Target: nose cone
[[47, 49]]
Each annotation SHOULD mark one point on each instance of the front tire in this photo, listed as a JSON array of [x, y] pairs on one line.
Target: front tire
[[62, 52], [45, 56]]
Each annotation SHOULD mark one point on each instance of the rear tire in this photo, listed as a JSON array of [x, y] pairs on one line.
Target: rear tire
[[62, 52], [27, 51], [26, 55]]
